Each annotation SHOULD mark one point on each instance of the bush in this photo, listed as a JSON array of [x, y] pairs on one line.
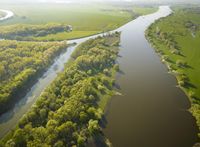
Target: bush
[[181, 63]]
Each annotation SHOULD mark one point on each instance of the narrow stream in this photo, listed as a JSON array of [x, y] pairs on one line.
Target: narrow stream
[[152, 112], [9, 14]]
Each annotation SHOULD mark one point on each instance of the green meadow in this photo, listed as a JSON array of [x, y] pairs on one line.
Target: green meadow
[[86, 19], [144, 10], [177, 39]]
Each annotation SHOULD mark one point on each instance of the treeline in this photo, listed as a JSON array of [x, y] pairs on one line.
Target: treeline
[[26, 32], [20, 64], [67, 112]]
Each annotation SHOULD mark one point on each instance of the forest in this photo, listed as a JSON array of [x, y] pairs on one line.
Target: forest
[[20, 65], [68, 112], [27, 32]]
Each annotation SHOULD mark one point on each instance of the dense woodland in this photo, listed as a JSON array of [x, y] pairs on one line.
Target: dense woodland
[[68, 113], [26, 32], [20, 65]]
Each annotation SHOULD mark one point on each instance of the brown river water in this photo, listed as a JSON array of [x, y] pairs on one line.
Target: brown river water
[[152, 111]]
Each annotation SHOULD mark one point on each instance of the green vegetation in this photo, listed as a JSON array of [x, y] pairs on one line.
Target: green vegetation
[[69, 111], [20, 64], [144, 10], [29, 32], [177, 39], [66, 35], [86, 19]]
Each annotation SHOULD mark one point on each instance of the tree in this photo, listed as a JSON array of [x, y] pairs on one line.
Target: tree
[[93, 127], [19, 138], [81, 140], [43, 113], [83, 117], [66, 129]]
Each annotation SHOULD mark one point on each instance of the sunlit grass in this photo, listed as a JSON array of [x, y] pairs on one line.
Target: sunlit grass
[[86, 19]]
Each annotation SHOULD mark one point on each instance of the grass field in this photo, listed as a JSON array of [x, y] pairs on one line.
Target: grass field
[[144, 10], [86, 19], [177, 39]]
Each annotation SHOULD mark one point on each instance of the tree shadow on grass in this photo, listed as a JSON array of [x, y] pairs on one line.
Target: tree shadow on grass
[[196, 100], [188, 66], [190, 85]]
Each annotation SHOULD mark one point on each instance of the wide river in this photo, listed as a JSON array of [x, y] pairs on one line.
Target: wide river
[[152, 111]]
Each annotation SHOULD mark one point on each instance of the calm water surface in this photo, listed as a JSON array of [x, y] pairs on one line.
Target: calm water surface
[[152, 112]]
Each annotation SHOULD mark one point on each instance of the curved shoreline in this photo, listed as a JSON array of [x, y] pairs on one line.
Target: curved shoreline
[[9, 14], [23, 106], [174, 73], [150, 101], [8, 120]]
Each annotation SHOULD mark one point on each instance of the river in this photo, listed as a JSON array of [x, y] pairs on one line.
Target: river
[[9, 14], [152, 111]]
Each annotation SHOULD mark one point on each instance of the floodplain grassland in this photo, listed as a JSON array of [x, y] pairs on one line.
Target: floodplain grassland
[[85, 19], [177, 40]]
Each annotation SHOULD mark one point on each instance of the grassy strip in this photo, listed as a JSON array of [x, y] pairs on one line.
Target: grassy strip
[[66, 35], [176, 39]]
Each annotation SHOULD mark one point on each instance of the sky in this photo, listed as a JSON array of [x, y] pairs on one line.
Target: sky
[[68, 1]]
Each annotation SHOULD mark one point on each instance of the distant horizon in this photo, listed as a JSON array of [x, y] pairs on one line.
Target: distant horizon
[[72, 1]]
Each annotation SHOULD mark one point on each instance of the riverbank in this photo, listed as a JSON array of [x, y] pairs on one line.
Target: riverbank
[[72, 98], [151, 111], [179, 51]]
